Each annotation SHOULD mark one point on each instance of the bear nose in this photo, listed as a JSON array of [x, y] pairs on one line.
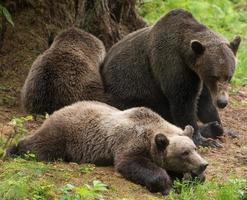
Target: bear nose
[[222, 103], [203, 167]]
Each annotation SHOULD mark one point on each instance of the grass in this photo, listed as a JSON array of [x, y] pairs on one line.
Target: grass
[[28, 179], [22, 179], [227, 17], [233, 189]]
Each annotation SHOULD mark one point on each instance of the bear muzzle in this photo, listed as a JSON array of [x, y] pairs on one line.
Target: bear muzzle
[[200, 169], [199, 163], [222, 96], [221, 103], [203, 167]]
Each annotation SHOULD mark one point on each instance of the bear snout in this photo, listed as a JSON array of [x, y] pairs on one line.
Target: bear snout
[[202, 167], [222, 95], [221, 103]]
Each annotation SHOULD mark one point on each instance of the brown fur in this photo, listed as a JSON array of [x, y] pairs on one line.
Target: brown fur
[[164, 67], [65, 73], [137, 141]]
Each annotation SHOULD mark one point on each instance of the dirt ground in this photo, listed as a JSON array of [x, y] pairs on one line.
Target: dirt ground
[[227, 162]]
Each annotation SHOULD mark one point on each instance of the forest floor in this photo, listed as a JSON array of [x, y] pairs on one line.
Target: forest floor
[[47, 180]]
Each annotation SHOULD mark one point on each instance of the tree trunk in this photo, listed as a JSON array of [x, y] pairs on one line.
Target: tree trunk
[[109, 20], [37, 22]]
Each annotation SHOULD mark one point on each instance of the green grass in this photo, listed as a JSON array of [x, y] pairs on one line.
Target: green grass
[[233, 189], [227, 17], [22, 179], [32, 180]]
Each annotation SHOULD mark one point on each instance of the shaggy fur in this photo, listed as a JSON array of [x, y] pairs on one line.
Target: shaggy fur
[[164, 66], [139, 143], [65, 73]]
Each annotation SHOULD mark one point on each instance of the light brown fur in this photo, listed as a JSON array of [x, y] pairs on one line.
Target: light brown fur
[[95, 132], [139, 143]]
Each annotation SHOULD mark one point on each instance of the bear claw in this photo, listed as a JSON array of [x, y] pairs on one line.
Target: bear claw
[[199, 140]]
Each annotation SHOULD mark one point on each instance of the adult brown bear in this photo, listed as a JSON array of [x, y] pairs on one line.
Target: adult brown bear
[[138, 142], [65, 73], [178, 67]]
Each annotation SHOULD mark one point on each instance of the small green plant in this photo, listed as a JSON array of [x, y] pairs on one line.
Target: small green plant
[[21, 179], [47, 115], [87, 168], [18, 130], [70, 192], [40, 192], [30, 156], [4, 12]]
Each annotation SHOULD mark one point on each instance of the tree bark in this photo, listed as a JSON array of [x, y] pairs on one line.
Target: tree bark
[[109, 20]]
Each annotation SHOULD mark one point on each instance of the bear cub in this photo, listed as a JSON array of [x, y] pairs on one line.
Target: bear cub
[[138, 142], [65, 73]]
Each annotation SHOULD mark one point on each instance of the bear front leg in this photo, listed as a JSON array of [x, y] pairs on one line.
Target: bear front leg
[[141, 170], [184, 113], [207, 113]]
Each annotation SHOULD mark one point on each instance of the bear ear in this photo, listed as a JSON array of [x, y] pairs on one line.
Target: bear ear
[[189, 131], [161, 141], [235, 44], [197, 47]]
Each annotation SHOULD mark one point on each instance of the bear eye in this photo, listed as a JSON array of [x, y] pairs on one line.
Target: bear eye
[[186, 153]]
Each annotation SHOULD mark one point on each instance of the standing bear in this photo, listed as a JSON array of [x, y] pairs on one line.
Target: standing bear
[[65, 73], [178, 67], [141, 144]]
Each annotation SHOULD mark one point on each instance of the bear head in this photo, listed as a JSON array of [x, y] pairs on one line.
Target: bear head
[[177, 152], [215, 65]]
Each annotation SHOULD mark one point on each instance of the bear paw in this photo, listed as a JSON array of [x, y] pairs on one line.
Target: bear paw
[[211, 130], [161, 183], [199, 140]]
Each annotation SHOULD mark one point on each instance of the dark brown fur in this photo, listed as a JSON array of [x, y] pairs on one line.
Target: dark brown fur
[[164, 67], [65, 73]]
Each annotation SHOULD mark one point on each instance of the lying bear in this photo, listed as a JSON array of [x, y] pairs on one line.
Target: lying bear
[[65, 73], [138, 142], [178, 67]]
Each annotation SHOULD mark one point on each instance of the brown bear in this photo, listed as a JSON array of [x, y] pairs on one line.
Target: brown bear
[[65, 73], [178, 67], [140, 143]]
